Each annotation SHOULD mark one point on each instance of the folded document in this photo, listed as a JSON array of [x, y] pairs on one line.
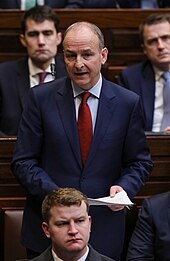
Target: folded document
[[121, 198]]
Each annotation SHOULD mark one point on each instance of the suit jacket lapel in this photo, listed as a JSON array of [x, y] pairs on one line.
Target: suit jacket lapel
[[65, 103], [93, 255], [148, 93], [105, 112], [46, 255], [23, 83]]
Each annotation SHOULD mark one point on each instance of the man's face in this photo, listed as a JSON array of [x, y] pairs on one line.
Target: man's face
[[69, 230], [41, 41], [157, 44], [83, 56]]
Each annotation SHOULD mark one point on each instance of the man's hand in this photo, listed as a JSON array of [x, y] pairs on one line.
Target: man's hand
[[167, 129], [113, 191]]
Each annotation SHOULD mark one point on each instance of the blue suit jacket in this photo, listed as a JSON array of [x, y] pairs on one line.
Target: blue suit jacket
[[93, 255], [111, 3], [151, 237], [14, 87], [48, 156], [140, 78], [16, 4]]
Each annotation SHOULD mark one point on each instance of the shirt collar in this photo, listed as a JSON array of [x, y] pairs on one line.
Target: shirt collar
[[83, 258], [34, 70], [158, 73], [95, 90]]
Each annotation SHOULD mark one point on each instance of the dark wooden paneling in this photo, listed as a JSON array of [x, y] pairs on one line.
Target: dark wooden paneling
[[158, 183], [112, 72], [120, 28], [10, 247], [160, 178], [9, 186], [12, 196]]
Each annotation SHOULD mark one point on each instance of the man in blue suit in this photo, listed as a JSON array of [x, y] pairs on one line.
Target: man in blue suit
[[16, 4], [146, 78], [40, 36], [151, 237], [48, 155]]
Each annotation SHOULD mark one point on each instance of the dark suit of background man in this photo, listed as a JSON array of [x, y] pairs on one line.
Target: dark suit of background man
[[16, 4], [111, 3], [163, 3], [48, 155], [126, 3], [146, 78], [145, 4], [151, 237], [40, 38]]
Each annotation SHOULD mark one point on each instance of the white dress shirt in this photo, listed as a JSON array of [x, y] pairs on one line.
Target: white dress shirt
[[34, 71], [83, 258], [158, 106]]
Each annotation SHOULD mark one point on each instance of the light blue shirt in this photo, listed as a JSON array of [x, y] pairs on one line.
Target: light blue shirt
[[148, 4], [92, 101]]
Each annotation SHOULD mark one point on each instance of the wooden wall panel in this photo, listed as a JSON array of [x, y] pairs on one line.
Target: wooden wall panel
[[120, 28], [12, 196], [159, 180]]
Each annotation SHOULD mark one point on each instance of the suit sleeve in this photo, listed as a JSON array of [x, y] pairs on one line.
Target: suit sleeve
[[141, 246], [122, 80], [75, 4], [26, 163], [2, 134], [136, 158]]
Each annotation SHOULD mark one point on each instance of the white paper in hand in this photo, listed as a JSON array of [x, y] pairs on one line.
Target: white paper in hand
[[121, 198]]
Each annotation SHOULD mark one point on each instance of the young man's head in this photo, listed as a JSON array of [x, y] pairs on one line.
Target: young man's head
[[40, 35], [155, 39], [66, 222]]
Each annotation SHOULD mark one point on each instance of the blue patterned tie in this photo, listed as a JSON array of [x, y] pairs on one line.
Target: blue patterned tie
[[166, 101]]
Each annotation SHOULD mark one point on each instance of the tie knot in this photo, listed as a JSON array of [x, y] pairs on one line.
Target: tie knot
[[166, 76], [42, 76], [85, 96]]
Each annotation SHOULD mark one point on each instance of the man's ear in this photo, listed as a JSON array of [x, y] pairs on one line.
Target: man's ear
[[143, 48], [59, 38], [90, 222], [45, 228], [104, 54], [22, 40]]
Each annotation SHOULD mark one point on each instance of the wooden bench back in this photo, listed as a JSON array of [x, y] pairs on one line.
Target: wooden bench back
[[120, 28]]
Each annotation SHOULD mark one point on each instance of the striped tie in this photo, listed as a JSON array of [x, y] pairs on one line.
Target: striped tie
[[166, 101], [42, 76]]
